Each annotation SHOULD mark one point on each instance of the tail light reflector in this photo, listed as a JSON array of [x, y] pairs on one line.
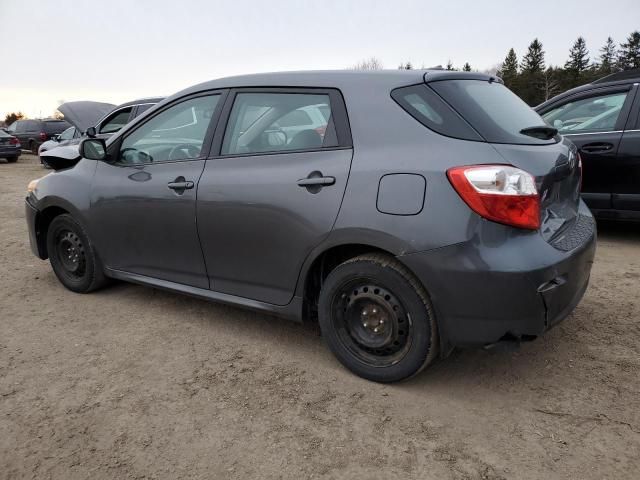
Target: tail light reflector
[[14, 141], [500, 193]]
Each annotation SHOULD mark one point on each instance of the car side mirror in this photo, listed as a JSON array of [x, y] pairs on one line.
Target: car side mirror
[[91, 132], [93, 149]]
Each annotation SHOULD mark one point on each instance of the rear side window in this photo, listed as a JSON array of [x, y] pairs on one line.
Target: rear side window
[[428, 108], [493, 110], [277, 122], [55, 126]]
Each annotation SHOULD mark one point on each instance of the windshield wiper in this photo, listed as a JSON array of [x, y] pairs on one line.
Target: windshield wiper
[[543, 132]]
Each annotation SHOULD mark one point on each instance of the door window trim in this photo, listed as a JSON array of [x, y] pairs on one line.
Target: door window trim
[[113, 149], [598, 92], [338, 112]]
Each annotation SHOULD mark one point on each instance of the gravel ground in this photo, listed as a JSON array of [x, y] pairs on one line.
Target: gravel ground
[[131, 382]]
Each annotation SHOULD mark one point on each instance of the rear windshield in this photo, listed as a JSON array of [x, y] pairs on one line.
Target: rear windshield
[[493, 110], [55, 126]]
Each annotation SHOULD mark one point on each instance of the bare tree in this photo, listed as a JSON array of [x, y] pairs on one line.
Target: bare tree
[[550, 84], [368, 64]]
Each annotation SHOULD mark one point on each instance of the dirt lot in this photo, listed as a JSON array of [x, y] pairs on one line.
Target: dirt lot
[[131, 382]]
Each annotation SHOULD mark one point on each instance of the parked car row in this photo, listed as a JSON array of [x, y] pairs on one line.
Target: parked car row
[[392, 207], [32, 133]]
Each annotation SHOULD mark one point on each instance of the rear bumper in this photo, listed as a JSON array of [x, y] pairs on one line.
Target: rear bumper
[[503, 284], [9, 151]]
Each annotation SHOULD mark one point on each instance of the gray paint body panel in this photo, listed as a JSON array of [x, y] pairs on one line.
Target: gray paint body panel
[[248, 234]]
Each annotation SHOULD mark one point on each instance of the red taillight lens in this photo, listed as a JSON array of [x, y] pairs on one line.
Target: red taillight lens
[[43, 136], [501, 193], [14, 141]]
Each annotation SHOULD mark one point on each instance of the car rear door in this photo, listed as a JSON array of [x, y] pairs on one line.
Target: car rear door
[[626, 186], [266, 197], [593, 121], [143, 202]]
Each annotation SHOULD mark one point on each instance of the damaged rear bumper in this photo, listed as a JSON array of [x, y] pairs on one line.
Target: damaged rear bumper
[[514, 288]]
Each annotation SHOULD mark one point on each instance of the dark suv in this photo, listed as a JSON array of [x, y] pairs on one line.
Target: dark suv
[[32, 133], [406, 211], [603, 120]]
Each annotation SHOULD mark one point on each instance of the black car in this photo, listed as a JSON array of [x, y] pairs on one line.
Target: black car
[[32, 133], [9, 147], [603, 120]]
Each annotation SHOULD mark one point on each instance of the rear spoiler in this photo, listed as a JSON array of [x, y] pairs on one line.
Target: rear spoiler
[[437, 75]]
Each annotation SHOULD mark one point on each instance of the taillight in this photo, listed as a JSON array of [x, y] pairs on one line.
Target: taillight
[[14, 141], [43, 136], [501, 193]]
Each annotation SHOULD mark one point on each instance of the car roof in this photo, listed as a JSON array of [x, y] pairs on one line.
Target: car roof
[[388, 79], [619, 78], [140, 101]]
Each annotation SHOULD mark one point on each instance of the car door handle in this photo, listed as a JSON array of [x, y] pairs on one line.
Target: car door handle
[[180, 184], [316, 181], [596, 147]]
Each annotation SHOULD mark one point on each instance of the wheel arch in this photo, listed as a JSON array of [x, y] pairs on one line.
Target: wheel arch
[[339, 247], [48, 209]]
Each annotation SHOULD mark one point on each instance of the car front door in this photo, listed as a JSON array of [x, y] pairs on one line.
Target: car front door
[[143, 205], [271, 190], [626, 191], [593, 121]]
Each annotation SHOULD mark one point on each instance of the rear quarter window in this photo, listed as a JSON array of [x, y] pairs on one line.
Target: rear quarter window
[[428, 108]]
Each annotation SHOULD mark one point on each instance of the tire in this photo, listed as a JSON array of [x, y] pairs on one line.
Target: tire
[[72, 256], [33, 146], [356, 296], [12, 159]]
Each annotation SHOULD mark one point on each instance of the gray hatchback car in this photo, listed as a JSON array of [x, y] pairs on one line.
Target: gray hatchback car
[[408, 212]]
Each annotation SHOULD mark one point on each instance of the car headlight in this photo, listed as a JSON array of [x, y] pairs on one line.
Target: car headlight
[[32, 185]]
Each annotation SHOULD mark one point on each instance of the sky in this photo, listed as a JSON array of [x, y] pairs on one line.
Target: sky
[[120, 50]]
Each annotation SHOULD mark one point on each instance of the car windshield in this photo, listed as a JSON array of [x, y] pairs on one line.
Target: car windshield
[[493, 110]]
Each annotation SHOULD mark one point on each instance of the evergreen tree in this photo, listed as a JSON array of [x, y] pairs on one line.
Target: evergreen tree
[[466, 67], [578, 64], [509, 70], [450, 66], [405, 66], [607, 57], [533, 61], [532, 76], [629, 54]]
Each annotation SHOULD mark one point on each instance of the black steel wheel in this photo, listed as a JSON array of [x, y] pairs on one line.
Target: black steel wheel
[[377, 318], [72, 256]]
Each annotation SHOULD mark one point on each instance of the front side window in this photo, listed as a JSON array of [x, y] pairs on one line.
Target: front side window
[[594, 114], [116, 121], [177, 133], [68, 134], [275, 122]]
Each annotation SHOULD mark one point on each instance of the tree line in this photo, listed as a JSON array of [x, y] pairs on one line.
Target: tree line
[[534, 81]]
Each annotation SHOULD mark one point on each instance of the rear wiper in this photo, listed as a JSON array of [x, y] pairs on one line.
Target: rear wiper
[[543, 132]]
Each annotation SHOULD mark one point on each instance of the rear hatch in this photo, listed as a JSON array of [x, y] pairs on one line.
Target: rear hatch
[[522, 139]]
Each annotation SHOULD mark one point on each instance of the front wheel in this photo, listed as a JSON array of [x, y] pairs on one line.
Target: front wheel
[[72, 255], [377, 318]]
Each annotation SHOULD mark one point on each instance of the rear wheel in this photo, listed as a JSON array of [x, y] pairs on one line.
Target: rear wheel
[[72, 256], [33, 146], [377, 318]]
